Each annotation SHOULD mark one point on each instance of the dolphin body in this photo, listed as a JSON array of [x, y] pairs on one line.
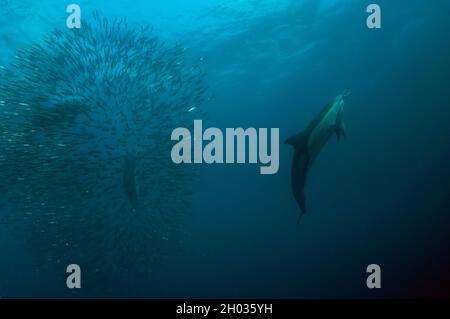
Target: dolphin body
[[309, 143], [129, 181]]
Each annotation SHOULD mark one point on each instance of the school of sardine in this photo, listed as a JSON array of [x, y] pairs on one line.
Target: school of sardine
[[85, 124]]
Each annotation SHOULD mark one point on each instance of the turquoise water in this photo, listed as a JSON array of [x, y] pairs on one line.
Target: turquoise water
[[378, 196]]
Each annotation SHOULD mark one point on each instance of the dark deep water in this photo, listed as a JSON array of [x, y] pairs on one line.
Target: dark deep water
[[379, 196]]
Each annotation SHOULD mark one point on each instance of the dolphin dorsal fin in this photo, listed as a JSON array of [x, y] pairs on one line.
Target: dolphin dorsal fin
[[299, 141]]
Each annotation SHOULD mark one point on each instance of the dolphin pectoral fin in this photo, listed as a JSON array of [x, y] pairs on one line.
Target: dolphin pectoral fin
[[340, 127], [340, 131], [338, 134], [344, 129]]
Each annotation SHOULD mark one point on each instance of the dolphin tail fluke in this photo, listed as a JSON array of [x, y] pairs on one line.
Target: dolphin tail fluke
[[300, 164], [302, 212], [299, 194], [301, 203]]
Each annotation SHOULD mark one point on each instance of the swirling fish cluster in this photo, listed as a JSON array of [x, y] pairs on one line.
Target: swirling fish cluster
[[85, 123]]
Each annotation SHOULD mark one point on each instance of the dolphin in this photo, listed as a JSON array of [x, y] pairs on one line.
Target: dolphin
[[308, 144], [129, 181]]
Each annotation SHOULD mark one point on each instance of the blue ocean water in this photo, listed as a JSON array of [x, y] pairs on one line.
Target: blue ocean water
[[379, 196]]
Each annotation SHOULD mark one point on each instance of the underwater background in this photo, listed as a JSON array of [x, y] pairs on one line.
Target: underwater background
[[379, 196]]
